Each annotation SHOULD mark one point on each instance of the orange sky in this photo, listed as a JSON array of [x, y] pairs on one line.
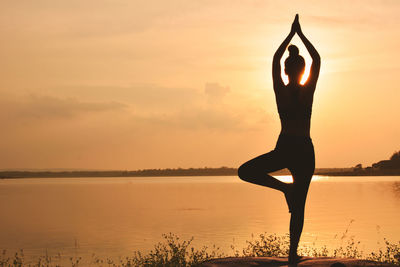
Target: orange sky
[[103, 84]]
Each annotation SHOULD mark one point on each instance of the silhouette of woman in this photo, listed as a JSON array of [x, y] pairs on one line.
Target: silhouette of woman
[[294, 149]]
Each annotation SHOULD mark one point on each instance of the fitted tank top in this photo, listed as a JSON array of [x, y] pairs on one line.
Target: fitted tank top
[[295, 110]]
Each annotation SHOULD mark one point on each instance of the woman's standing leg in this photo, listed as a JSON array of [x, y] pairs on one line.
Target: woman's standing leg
[[299, 197], [302, 172]]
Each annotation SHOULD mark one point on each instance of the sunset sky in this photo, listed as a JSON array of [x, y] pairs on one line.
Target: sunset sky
[[110, 84]]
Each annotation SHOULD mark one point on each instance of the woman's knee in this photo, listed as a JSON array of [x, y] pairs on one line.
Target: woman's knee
[[242, 171], [245, 172]]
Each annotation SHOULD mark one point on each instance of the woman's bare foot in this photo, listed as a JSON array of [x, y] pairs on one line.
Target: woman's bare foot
[[289, 196], [293, 259]]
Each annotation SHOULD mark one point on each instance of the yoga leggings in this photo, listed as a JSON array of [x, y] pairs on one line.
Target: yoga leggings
[[295, 153]]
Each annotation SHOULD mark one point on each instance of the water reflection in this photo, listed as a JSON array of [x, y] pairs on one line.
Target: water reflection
[[396, 189], [113, 216]]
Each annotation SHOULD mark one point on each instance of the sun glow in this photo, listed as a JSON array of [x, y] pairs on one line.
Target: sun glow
[[307, 58], [306, 71], [285, 178], [289, 178]]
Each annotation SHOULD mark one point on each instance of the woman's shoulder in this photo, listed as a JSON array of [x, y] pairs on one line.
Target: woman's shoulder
[[309, 86]]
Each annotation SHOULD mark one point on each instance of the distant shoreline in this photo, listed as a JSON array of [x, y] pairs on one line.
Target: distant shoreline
[[223, 171]]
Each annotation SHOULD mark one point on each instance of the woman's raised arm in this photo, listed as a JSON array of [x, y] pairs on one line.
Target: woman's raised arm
[[276, 62], [316, 64]]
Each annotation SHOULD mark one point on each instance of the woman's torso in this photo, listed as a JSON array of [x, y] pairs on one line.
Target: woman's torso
[[294, 106]]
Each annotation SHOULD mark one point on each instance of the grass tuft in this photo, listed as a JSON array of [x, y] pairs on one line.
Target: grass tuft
[[173, 252]]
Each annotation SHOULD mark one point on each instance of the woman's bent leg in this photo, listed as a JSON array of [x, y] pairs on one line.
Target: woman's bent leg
[[256, 171]]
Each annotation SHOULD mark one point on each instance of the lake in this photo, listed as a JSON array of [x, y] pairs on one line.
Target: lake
[[111, 217]]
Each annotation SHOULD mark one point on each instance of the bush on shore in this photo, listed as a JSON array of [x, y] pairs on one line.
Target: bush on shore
[[173, 252]]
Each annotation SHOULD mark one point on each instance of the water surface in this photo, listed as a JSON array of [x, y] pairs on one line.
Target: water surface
[[111, 217]]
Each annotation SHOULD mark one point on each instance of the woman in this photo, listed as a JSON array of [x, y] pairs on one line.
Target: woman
[[294, 149]]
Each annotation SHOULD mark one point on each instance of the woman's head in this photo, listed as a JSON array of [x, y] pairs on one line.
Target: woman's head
[[294, 64]]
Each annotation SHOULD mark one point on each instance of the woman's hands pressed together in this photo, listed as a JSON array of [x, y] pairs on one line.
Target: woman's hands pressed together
[[296, 25]]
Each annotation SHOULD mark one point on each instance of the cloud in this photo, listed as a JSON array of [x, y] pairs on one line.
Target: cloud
[[215, 115], [48, 106], [215, 108], [141, 124], [148, 107], [197, 118], [142, 97], [215, 92], [43, 107]]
